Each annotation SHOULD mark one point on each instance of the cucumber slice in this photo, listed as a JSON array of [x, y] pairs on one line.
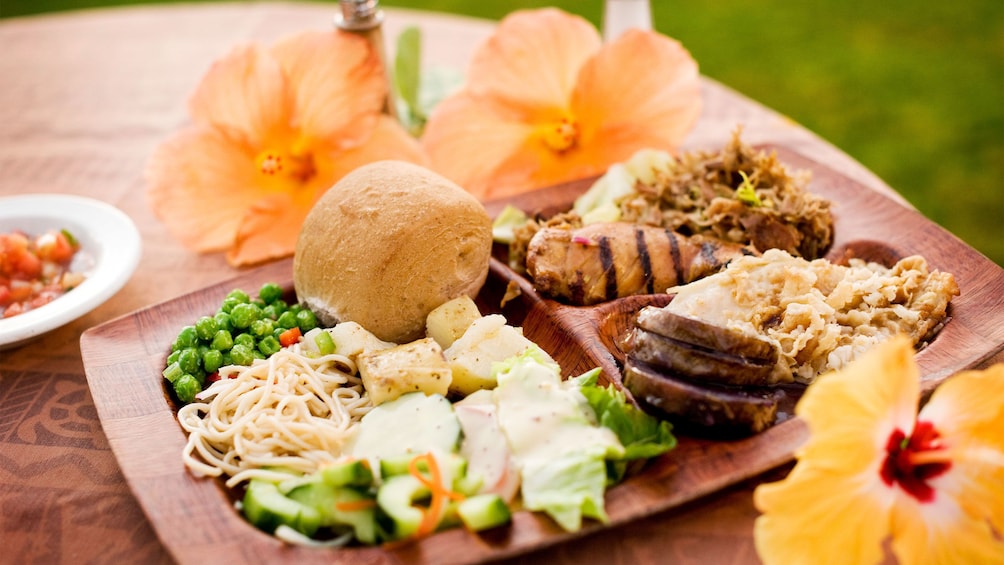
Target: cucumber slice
[[355, 473], [267, 508], [451, 463], [352, 508], [340, 506], [412, 424], [395, 500], [483, 511]]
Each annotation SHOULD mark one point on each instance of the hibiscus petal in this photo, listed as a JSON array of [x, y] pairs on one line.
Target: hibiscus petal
[[536, 166], [822, 517], [640, 91], [968, 412], [834, 504], [532, 59], [338, 82], [269, 229], [200, 182], [466, 141], [388, 140], [942, 532], [657, 111], [244, 91], [852, 412]]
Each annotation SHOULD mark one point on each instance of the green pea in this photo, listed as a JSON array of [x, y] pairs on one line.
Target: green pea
[[200, 376], [227, 359], [173, 357], [306, 320], [258, 354], [270, 292], [243, 315], [212, 360], [229, 303], [262, 328], [186, 387], [205, 327], [280, 305], [223, 321], [271, 312], [189, 360], [239, 295], [247, 340], [269, 345], [287, 320], [278, 331], [222, 341], [259, 303], [187, 337], [241, 354]]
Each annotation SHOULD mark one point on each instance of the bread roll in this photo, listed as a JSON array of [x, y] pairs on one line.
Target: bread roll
[[386, 245]]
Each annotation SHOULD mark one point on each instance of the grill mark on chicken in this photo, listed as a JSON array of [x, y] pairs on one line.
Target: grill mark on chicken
[[609, 270], [708, 254], [646, 261], [577, 287], [674, 253]]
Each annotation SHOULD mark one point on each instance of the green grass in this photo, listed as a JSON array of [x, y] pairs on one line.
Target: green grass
[[912, 90]]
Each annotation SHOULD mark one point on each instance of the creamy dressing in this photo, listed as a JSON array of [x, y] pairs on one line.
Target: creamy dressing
[[543, 418]]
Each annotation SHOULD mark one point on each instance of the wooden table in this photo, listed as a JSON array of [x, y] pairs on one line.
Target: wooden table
[[86, 97]]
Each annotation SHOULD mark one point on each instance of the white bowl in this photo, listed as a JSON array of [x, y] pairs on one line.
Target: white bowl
[[109, 252]]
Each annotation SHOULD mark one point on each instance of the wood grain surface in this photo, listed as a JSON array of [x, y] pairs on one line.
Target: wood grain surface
[[86, 97], [123, 360]]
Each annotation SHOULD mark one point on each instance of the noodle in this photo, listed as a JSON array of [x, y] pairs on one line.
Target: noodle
[[289, 411]]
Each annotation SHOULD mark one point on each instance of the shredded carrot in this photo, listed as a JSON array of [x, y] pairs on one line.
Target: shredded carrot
[[440, 494], [355, 505]]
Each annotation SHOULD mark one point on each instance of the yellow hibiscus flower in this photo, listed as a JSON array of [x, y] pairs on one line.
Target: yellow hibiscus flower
[[272, 130], [874, 470], [547, 102]]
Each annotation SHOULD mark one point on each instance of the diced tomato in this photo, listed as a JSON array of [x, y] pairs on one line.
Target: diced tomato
[[32, 272], [28, 266], [54, 246]]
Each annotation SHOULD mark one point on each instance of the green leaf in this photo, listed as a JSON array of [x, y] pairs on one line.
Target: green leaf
[[746, 193], [641, 435], [408, 69]]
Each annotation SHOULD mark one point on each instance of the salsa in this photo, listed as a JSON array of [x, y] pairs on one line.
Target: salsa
[[35, 271]]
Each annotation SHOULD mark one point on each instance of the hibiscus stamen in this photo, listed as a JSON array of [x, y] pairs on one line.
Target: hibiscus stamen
[[912, 460], [270, 163], [298, 166], [561, 135]]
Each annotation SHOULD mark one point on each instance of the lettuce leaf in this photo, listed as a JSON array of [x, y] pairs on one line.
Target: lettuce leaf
[[568, 488], [555, 442], [642, 435]]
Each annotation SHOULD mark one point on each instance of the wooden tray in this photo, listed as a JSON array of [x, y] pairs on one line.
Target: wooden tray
[[195, 518]]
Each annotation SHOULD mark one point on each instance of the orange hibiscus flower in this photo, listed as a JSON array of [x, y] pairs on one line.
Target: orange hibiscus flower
[[875, 470], [272, 130], [546, 102]]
